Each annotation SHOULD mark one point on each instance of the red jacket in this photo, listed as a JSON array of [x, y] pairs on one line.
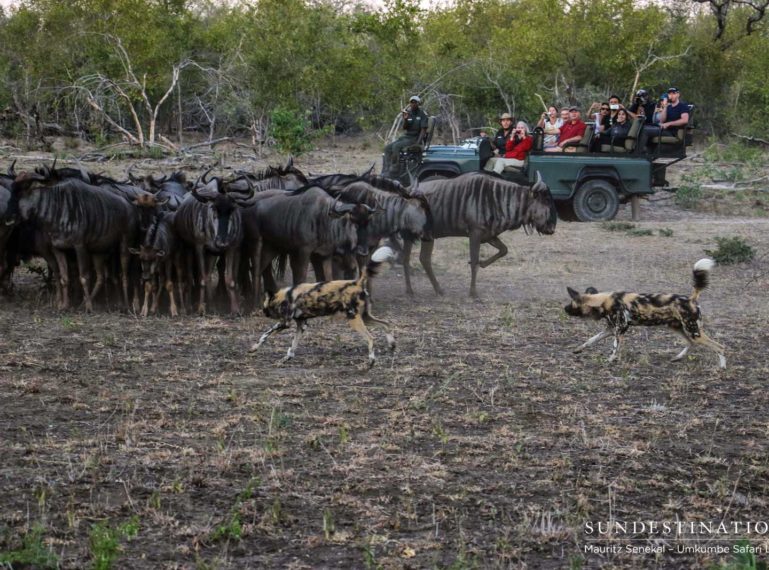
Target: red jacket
[[518, 149]]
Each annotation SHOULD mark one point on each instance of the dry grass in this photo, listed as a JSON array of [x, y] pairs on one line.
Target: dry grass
[[483, 443]]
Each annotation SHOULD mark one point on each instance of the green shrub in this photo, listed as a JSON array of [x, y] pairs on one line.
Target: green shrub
[[688, 194], [666, 232], [731, 250], [640, 232], [32, 554], [291, 131]]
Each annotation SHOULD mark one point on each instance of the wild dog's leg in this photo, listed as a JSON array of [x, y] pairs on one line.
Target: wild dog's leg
[[232, 263], [279, 326], [677, 327], [502, 251], [169, 284], [356, 323], [84, 269], [426, 259], [407, 245], [370, 319], [617, 346], [594, 339], [300, 326], [716, 347], [475, 255]]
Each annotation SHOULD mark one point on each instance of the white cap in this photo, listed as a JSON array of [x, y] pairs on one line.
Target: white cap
[[415, 98]]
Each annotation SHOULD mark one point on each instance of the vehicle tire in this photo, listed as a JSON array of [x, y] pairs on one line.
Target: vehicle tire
[[596, 200]]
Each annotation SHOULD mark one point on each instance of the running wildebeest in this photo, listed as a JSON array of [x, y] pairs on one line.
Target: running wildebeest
[[480, 206]]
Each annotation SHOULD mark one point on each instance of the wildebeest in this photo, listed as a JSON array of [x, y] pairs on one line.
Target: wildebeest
[[76, 215], [301, 224], [209, 220], [161, 257], [481, 206]]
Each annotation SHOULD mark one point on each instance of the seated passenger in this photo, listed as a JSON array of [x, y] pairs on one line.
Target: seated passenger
[[517, 149], [505, 131], [618, 132], [551, 124], [602, 118], [571, 133]]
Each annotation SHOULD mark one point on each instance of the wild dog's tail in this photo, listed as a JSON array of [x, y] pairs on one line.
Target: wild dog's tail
[[381, 255], [700, 276]]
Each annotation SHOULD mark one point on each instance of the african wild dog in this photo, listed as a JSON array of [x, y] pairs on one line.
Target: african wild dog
[[622, 310], [309, 300]]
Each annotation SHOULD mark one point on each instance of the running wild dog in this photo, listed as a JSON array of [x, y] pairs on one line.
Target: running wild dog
[[309, 300], [622, 310]]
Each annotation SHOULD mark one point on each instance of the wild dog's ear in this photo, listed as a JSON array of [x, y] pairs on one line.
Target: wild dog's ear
[[573, 294], [591, 291]]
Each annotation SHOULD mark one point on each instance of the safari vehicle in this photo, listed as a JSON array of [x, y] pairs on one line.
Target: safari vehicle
[[588, 185]]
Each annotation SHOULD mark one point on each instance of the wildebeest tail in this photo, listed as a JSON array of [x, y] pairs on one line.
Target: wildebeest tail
[[279, 265], [700, 276]]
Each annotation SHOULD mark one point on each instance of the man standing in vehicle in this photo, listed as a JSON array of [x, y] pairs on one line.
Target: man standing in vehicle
[[415, 125]]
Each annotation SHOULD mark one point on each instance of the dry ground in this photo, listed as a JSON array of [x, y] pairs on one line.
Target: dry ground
[[482, 443]]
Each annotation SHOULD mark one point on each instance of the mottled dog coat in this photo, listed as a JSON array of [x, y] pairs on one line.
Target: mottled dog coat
[[306, 301], [622, 310]]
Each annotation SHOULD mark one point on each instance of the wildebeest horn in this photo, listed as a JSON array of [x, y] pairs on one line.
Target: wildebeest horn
[[197, 196], [83, 172], [369, 172], [12, 169], [539, 181], [289, 164], [369, 208], [202, 177]]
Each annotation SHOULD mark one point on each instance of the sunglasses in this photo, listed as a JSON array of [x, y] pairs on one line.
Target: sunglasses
[[604, 108]]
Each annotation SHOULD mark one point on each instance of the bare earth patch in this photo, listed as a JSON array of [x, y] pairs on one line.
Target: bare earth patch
[[483, 442]]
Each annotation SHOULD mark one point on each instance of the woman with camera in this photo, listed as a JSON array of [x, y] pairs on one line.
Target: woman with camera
[[517, 148], [551, 124], [618, 132]]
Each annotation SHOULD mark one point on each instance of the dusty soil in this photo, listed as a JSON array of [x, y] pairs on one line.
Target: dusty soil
[[483, 442]]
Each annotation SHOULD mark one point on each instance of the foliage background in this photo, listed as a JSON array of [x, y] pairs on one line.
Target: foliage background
[[346, 65]]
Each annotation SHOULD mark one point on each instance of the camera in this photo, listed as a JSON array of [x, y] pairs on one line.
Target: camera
[[638, 100], [614, 107]]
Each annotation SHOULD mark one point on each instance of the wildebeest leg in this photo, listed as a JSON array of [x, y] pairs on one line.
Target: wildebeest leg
[[211, 265], [147, 294], [125, 261], [279, 326], [256, 273], [99, 267], [328, 267], [168, 267], [232, 261], [318, 268], [407, 245], [593, 339], [61, 261], [502, 251], [200, 256], [357, 324], [158, 281], [426, 259], [370, 319], [299, 260], [84, 269], [180, 281], [475, 255], [300, 326]]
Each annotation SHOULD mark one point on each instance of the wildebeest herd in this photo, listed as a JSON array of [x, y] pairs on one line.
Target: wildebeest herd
[[102, 238]]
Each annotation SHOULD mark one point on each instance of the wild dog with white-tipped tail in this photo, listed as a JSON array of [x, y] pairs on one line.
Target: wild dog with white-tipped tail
[[309, 300], [622, 310]]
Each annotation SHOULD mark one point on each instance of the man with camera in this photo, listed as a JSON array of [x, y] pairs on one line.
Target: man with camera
[[415, 124], [642, 106], [671, 117]]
